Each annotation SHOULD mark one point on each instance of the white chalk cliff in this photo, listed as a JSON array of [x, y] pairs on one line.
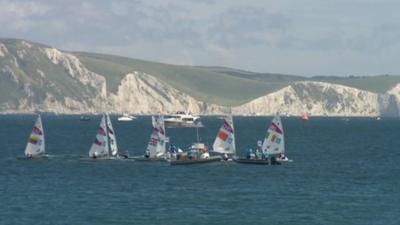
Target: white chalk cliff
[[318, 98]]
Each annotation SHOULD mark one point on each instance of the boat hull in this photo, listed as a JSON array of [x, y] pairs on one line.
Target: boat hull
[[144, 159], [255, 161], [124, 119], [195, 161], [32, 158], [174, 124]]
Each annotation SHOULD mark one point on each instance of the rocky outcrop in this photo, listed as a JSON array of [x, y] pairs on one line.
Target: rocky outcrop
[[77, 70], [144, 94]]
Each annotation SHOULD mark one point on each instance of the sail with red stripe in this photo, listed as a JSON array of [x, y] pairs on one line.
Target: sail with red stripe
[[225, 140], [100, 148], [274, 139], [156, 146]]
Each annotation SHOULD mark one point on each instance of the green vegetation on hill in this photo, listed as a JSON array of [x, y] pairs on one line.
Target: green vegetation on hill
[[30, 64], [201, 83], [220, 85], [376, 84]]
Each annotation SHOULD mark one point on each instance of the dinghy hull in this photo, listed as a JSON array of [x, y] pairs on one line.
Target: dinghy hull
[[195, 161], [255, 161], [144, 159], [32, 158]]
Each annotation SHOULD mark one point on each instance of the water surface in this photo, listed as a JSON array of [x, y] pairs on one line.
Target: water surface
[[343, 173]]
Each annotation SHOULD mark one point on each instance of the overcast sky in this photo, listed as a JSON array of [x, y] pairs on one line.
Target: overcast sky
[[304, 37]]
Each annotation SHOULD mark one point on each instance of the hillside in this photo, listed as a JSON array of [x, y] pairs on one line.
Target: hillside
[[36, 77], [202, 84]]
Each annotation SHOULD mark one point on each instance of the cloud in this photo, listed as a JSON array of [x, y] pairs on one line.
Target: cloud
[[297, 37]]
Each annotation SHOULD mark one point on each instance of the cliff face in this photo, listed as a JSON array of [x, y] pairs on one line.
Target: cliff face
[[142, 93], [39, 78], [322, 99]]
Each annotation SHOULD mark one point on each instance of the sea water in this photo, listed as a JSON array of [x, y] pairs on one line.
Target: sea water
[[344, 172]]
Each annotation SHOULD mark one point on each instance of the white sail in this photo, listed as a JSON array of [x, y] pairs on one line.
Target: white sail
[[225, 140], [99, 147], [36, 142], [157, 143], [274, 142], [112, 137]]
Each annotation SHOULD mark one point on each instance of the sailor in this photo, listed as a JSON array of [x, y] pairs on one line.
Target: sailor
[[265, 155], [225, 157], [258, 154], [274, 162], [125, 154], [250, 154], [95, 154], [172, 149], [147, 154]]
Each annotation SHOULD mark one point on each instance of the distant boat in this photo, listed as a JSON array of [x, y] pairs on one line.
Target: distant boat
[[105, 144], [35, 148], [84, 118], [272, 148], [305, 117], [182, 119], [156, 147], [126, 117], [225, 140]]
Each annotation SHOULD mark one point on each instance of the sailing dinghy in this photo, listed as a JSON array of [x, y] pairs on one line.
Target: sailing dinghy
[[105, 144], [224, 143], [156, 147], [35, 148], [273, 147]]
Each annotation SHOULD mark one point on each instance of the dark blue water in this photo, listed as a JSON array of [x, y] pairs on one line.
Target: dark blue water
[[343, 173]]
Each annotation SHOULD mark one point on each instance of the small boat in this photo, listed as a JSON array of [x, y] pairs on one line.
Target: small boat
[[224, 143], [35, 148], [305, 117], [156, 147], [84, 118], [182, 119], [272, 148], [126, 117], [197, 154], [105, 144]]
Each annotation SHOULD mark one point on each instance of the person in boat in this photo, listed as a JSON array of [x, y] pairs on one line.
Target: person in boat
[[282, 156], [225, 157], [147, 154], [274, 161], [249, 153], [258, 154], [265, 155], [172, 150], [30, 155], [125, 155], [95, 154]]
